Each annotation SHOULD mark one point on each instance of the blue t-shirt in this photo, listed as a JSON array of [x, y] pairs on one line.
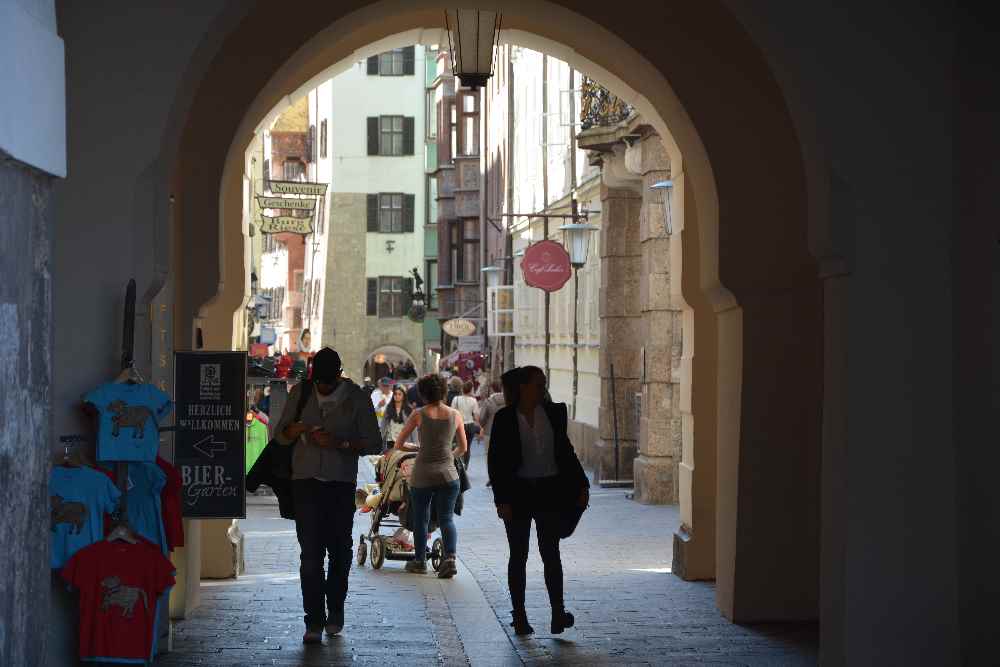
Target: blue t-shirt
[[78, 500], [128, 428], [145, 482]]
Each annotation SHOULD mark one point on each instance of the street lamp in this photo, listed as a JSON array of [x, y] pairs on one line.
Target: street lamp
[[668, 188], [472, 37], [492, 275], [577, 237]]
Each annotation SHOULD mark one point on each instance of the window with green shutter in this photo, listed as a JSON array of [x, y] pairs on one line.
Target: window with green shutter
[[372, 308], [391, 135]]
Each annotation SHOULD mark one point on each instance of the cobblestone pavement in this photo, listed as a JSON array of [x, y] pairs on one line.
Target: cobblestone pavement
[[629, 608]]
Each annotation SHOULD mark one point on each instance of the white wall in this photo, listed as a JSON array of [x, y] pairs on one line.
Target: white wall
[[354, 97], [321, 171], [528, 195], [33, 81]]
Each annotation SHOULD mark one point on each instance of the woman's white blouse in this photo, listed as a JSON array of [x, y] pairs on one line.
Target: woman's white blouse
[[538, 458]]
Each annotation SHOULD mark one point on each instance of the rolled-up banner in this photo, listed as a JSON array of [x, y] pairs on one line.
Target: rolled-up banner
[[296, 188], [286, 223], [279, 202]]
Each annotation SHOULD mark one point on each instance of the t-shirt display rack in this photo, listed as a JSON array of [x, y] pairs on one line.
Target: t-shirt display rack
[[120, 525]]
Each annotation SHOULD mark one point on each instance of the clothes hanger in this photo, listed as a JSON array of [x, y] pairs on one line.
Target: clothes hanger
[[122, 532], [131, 375]]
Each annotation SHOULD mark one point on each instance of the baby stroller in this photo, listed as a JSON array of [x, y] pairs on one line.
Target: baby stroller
[[392, 511]]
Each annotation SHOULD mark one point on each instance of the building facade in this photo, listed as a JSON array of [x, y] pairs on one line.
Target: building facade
[[456, 183], [286, 155], [360, 269], [609, 340]]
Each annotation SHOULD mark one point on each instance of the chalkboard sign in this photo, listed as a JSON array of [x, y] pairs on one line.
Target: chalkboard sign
[[210, 443]]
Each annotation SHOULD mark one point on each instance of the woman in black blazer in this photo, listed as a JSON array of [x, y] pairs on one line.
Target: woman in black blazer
[[535, 474]]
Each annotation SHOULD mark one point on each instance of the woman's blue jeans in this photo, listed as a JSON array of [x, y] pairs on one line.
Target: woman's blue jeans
[[444, 498]]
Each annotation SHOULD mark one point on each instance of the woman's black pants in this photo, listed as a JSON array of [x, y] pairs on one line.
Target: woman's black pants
[[547, 524]]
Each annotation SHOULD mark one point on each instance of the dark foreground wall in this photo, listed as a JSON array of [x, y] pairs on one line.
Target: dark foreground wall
[[25, 410]]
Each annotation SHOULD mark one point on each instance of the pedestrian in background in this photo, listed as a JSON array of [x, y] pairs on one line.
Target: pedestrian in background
[[381, 397], [434, 477], [468, 407], [488, 409], [454, 388], [535, 475], [396, 414]]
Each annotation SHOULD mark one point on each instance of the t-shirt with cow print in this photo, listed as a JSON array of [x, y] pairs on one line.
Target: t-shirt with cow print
[[78, 500], [128, 429], [119, 586]]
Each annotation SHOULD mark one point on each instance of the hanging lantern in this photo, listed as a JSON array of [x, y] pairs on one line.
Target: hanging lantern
[[473, 36], [577, 237]]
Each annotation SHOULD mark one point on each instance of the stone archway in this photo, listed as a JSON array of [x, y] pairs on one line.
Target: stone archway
[[753, 376], [393, 354]]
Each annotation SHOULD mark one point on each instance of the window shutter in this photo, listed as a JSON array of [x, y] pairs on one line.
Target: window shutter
[[373, 135], [372, 296], [373, 213], [373, 65], [408, 60], [408, 205], [311, 144], [407, 296], [408, 135]]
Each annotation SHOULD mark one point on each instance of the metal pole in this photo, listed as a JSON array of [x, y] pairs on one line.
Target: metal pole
[[576, 333], [614, 417]]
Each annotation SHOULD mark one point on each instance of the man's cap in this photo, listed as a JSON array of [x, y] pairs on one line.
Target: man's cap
[[327, 366], [385, 380]]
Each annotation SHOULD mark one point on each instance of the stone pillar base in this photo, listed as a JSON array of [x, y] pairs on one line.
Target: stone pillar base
[[692, 561], [654, 480], [604, 459]]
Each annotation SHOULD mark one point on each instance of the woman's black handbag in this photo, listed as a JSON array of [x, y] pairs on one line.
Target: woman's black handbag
[[569, 518]]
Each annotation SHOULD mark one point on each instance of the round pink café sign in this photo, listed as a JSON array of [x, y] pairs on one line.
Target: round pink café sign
[[546, 265]]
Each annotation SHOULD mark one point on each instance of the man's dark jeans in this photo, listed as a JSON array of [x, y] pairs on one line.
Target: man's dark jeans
[[324, 517]]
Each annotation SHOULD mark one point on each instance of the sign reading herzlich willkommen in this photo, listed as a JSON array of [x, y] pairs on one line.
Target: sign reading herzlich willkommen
[[210, 444]]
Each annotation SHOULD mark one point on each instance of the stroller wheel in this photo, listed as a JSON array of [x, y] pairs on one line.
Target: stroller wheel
[[437, 554], [362, 552], [378, 552]]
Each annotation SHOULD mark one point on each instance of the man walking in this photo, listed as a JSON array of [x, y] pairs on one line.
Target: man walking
[[381, 397], [330, 427]]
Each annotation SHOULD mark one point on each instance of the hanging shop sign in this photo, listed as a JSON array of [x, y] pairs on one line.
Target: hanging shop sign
[[546, 266], [210, 443], [286, 223], [296, 188], [459, 327], [470, 344], [282, 203]]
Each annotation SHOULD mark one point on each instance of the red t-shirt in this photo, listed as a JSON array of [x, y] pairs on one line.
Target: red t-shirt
[[170, 505], [119, 584]]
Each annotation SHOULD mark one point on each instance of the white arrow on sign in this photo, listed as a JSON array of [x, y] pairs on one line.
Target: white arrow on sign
[[209, 446]]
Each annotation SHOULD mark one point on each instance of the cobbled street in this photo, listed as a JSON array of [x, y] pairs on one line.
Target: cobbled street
[[629, 608]]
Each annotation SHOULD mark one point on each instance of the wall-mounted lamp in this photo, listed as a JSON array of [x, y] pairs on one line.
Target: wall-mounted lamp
[[668, 189], [492, 275]]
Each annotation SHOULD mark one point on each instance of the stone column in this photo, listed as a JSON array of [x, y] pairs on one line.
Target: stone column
[[621, 320], [660, 441], [25, 410]]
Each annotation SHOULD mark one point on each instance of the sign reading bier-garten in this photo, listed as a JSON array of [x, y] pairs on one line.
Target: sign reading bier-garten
[[210, 444], [546, 265]]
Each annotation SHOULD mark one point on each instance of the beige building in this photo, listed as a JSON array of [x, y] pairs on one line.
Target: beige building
[[553, 137]]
